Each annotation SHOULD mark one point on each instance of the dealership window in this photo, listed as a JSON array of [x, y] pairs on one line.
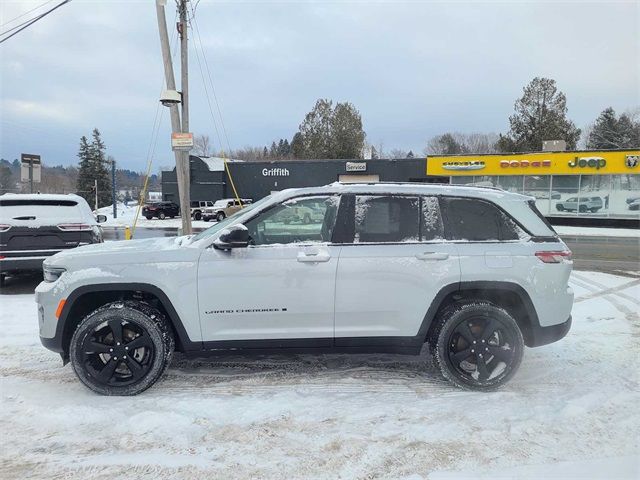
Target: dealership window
[[477, 220], [389, 219], [300, 220]]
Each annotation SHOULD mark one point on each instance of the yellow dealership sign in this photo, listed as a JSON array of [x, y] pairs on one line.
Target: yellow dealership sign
[[587, 162]]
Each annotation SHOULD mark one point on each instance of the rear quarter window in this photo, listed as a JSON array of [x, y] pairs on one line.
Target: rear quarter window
[[477, 220]]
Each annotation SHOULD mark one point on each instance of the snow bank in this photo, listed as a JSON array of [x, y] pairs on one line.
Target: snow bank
[[570, 412], [127, 213]]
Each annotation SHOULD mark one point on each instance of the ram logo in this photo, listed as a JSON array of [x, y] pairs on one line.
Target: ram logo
[[632, 161]]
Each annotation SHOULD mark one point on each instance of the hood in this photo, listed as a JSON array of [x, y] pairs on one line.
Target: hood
[[123, 251]]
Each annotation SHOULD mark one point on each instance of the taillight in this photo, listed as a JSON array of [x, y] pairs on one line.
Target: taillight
[[74, 227], [4, 228], [554, 257]]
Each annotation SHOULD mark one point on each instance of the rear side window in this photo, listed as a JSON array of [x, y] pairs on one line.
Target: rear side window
[[477, 220], [387, 219]]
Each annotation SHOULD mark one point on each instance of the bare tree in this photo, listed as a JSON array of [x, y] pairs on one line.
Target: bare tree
[[398, 153], [461, 143], [202, 145]]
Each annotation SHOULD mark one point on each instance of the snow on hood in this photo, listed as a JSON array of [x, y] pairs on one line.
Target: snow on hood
[[145, 246]]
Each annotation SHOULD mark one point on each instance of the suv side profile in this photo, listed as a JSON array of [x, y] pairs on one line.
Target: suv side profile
[[198, 206], [580, 204], [161, 210], [224, 208], [476, 274]]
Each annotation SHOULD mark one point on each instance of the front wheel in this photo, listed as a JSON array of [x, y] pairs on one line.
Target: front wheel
[[121, 348], [477, 345], [220, 216], [197, 216], [162, 216], [148, 217]]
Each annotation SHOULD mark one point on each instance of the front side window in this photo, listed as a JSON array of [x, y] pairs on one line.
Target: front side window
[[476, 220], [299, 220]]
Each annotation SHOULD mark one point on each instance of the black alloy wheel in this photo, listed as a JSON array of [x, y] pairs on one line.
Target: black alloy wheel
[[479, 345], [121, 348]]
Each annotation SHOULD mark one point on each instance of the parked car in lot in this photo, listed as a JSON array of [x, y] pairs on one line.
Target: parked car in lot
[[160, 210], [474, 273], [34, 227], [224, 208], [634, 205], [580, 204], [198, 207]]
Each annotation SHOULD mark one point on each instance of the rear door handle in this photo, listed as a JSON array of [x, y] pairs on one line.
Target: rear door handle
[[313, 257], [432, 256]]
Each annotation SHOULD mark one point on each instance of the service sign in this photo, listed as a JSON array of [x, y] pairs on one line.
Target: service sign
[[356, 166], [540, 163]]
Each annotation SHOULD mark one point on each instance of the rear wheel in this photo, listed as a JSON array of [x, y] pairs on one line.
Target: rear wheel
[[220, 216], [477, 345], [559, 208], [162, 216], [121, 348], [148, 217], [197, 216], [583, 208]]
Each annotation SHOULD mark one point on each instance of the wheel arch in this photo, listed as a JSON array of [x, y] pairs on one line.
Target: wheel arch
[[511, 296], [86, 299]]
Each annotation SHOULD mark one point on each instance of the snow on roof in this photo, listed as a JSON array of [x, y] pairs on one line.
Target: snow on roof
[[216, 164], [41, 196]]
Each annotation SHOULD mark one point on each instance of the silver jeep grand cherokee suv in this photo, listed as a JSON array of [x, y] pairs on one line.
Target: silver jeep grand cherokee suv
[[474, 273]]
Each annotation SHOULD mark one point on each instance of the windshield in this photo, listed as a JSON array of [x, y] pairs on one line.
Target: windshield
[[230, 219]]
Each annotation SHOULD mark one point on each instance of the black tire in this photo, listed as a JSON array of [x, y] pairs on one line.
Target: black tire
[[197, 216], [582, 208], [2, 279], [111, 330], [220, 216], [148, 217], [162, 216], [459, 359], [560, 208]]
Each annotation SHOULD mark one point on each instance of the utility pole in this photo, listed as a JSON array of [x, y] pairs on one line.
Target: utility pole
[[184, 84], [182, 158], [95, 188], [113, 186]]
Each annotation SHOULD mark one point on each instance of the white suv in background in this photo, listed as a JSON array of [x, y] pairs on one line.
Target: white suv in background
[[475, 273]]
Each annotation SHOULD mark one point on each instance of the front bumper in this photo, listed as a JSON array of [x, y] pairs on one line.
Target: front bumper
[[539, 336]]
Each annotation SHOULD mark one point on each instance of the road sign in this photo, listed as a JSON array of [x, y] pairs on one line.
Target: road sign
[[182, 141], [30, 168]]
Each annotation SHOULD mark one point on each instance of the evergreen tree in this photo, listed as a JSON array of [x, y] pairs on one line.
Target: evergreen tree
[[273, 151], [540, 114], [84, 183], [265, 152], [410, 154], [297, 146], [610, 132], [329, 132], [92, 168]]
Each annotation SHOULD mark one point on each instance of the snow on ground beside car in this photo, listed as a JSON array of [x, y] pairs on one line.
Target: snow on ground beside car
[[127, 213], [597, 231], [571, 410]]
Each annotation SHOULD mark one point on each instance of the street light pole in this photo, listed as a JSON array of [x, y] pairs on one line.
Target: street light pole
[[182, 159]]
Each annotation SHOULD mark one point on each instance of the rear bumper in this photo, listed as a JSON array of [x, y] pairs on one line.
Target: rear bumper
[[22, 264], [544, 335]]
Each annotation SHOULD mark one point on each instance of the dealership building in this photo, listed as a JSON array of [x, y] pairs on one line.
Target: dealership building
[[593, 184]]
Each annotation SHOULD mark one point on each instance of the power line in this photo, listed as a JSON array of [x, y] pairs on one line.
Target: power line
[[31, 22], [25, 13]]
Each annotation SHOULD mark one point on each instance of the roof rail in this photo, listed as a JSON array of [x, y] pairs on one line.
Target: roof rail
[[490, 187]]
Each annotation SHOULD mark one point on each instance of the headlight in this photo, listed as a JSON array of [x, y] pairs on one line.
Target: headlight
[[52, 274]]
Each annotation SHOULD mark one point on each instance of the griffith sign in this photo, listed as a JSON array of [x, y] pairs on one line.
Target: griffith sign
[[182, 141]]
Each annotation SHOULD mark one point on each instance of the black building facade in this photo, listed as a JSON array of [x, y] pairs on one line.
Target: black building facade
[[209, 180]]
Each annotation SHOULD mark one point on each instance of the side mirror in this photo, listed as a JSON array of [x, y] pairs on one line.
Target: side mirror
[[101, 218], [235, 236]]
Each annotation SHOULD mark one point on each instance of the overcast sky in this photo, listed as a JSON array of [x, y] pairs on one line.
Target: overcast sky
[[413, 69]]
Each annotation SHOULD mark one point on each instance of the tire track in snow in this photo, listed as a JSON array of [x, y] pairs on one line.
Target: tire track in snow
[[596, 289]]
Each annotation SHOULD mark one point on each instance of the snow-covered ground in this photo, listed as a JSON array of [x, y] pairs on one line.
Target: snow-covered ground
[[126, 215], [570, 412]]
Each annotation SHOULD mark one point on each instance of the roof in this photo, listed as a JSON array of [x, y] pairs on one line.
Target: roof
[[41, 196], [216, 164], [409, 188]]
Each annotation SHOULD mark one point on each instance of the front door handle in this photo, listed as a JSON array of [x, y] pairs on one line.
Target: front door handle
[[313, 257], [432, 256]]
